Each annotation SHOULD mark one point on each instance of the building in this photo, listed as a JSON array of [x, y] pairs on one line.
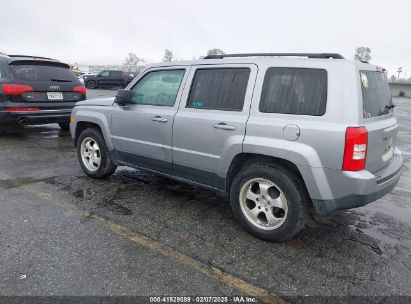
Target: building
[[396, 87], [125, 68], [97, 68]]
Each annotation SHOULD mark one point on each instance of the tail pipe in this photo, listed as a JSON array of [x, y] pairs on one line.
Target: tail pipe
[[22, 120]]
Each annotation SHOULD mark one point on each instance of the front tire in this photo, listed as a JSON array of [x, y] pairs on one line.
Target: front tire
[[93, 154], [269, 201], [91, 84]]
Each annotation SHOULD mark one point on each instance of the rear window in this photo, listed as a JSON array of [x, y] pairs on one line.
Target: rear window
[[376, 94], [42, 73], [219, 89], [297, 91]]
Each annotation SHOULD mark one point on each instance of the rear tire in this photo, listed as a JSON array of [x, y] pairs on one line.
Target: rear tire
[[64, 125], [93, 154], [91, 84], [269, 201]]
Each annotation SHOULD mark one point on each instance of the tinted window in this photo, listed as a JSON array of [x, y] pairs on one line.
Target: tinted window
[[116, 74], [376, 94], [42, 73], [104, 74], [294, 91], [158, 88], [219, 89]]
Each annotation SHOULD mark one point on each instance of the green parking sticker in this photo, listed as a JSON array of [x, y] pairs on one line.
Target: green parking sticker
[[197, 103]]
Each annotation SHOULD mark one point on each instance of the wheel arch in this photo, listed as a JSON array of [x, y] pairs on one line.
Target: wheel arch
[[83, 124], [242, 160]]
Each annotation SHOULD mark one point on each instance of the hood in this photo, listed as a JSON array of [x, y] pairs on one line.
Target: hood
[[108, 101]]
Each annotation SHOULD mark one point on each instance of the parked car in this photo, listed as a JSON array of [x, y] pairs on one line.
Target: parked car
[[107, 79], [37, 90], [82, 76], [280, 136]]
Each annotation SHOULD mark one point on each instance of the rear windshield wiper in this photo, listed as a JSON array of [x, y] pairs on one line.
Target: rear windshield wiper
[[60, 80]]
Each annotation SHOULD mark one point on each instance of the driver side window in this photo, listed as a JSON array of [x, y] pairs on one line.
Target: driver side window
[[158, 88], [104, 74]]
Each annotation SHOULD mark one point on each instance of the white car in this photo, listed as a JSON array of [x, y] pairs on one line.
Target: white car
[[81, 77]]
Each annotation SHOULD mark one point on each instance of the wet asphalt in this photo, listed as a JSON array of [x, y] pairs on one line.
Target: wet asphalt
[[48, 250]]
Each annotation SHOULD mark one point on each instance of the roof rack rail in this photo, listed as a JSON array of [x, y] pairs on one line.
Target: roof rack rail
[[33, 57], [308, 55]]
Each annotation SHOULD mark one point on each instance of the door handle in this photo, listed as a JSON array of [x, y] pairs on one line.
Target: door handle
[[224, 126], [159, 119]]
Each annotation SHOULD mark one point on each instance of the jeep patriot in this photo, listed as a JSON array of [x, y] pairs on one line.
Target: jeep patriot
[[280, 134]]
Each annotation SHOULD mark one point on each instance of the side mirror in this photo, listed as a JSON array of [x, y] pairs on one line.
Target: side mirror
[[123, 97], [99, 75]]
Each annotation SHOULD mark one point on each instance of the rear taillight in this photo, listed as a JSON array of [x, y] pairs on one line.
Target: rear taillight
[[15, 89], [21, 109], [355, 152], [80, 89]]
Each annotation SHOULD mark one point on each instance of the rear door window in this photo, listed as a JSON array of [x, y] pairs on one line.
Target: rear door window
[[116, 74], [298, 91], [219, 89], [42, 73], [376, 96]]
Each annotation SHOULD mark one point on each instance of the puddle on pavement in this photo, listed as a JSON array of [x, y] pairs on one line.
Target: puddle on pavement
[[386, 221], [20, 182], [396, 206], [50, 131], [109, 203]]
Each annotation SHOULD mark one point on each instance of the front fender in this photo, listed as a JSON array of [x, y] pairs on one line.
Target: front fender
[[96, 115]]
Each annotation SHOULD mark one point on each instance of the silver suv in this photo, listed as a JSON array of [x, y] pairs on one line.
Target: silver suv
[[280, 135]]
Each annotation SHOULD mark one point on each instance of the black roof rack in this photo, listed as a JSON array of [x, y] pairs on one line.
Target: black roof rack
[[308, 55], [32, 57]]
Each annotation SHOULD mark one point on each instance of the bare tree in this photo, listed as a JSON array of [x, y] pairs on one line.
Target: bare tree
[[393, 78], [362, 53], [133, 59], [215, 52], [168, 56]]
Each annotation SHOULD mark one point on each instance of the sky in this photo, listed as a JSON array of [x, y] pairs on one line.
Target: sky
[[103, 32]]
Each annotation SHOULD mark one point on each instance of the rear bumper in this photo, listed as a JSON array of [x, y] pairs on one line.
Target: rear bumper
[[364, 187], [35, 117]]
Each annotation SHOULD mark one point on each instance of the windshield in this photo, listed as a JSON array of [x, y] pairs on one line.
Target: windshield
[[42, 73], [376, 94]]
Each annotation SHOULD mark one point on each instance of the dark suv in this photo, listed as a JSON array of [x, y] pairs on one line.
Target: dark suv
[[108, 79], [37, 90]]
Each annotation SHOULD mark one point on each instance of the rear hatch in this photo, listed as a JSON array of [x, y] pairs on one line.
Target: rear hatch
[[44, 83], [378, 118]]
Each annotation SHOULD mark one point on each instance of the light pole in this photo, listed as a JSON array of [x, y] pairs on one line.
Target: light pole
[[399, 72]]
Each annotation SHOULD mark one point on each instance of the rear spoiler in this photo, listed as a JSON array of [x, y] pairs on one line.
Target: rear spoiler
[[40, 62]]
